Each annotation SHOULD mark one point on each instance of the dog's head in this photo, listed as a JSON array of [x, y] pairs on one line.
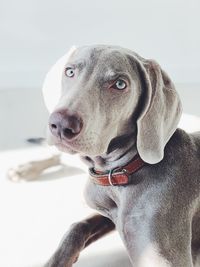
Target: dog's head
[[99, 93]]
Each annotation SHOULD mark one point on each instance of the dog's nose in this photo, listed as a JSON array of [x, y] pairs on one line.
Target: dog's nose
[[64, 124]]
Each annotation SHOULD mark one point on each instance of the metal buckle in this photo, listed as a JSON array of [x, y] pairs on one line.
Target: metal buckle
[[124, 171], [110, 174], [110, 177]]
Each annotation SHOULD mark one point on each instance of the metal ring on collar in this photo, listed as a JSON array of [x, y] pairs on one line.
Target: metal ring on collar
[[110, 177]]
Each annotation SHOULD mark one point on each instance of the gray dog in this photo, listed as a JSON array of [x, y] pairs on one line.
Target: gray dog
[[120, 112]]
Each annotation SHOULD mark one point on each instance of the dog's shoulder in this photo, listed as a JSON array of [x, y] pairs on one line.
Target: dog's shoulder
[[181, 162], [182, 155], [196, 138], [183, 145]]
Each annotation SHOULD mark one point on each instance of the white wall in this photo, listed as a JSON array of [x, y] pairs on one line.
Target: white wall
[[35, 33]]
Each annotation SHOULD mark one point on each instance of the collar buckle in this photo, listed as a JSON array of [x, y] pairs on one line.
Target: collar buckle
[[110, 177], [123, 171], [119, 175]]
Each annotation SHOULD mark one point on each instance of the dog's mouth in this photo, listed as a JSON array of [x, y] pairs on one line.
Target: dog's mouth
[[84, 145], [66, 148]]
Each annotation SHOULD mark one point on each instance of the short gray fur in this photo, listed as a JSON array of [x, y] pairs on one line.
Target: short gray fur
[[158, 215]]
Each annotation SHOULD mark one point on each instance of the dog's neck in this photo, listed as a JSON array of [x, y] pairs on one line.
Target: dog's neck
[[120, 151]]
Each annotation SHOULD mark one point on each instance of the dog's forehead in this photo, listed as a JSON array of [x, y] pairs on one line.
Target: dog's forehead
[[109, 57]]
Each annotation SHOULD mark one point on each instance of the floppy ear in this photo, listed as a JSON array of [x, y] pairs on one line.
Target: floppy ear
[[160, 115], [52, 84]]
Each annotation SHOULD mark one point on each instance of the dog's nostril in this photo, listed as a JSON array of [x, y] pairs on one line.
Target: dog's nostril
[[64, 125], [53, 126], [69, 133]]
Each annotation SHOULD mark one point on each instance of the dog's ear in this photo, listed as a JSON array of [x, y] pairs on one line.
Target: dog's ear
[[160, 114], [52, 84]]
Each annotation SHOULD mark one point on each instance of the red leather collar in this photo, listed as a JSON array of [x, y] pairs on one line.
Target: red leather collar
[[117, 176]]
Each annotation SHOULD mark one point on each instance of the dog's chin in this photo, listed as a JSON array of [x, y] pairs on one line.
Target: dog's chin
[[65, 149], [91, 149], [86, 151]]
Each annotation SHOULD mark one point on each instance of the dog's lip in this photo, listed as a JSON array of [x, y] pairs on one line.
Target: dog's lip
[[65, 145]]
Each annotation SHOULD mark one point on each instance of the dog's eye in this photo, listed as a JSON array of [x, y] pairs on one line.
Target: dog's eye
[[119, 85], [69, 72]]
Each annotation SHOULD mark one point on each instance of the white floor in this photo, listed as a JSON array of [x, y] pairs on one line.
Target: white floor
[[35, 215]]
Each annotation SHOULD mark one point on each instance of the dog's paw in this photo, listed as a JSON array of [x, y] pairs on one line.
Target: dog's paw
[[59, 261], [27, 171]]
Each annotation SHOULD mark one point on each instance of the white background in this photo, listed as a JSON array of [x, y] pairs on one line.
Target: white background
[[35, 33]]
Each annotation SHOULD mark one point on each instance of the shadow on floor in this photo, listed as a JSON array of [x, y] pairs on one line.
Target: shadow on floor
[[116, 258]]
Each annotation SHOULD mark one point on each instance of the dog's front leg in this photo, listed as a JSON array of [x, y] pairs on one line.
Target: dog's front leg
[[79, 236], [31, 170]]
